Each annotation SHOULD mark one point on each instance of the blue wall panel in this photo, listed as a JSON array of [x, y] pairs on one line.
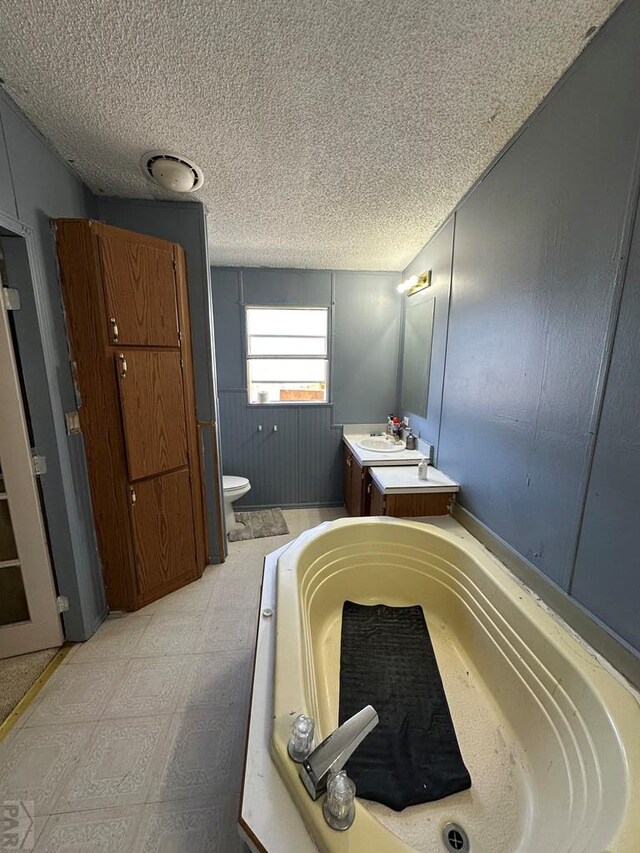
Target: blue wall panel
[[319, 457], [7, 199], [251, 448], [607, 572], [537, 249], [228, 327], [286, 287]]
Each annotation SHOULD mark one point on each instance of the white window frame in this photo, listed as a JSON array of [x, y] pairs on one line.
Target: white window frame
[[295, 357]]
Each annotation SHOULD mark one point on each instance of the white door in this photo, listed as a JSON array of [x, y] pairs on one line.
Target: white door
[[29, 618]]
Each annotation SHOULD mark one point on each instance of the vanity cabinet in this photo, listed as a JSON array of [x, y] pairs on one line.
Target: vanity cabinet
[[355, 484], [409, 505]]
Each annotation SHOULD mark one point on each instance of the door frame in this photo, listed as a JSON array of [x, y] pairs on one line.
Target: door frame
[[65, 491], [43, 629]]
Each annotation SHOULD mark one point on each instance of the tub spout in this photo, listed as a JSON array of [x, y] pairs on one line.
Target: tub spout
[[335, 750]]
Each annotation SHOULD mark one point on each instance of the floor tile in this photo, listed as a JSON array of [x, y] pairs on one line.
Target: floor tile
[[226, 629], [37, 761], [118, 766], [117, 637], [189, 826], [76, 693], [170, 685], [203, 755], [212, 572], [236, 592], [149, 686], [218, 679], [193, 598], [102, 831], [171, 635]]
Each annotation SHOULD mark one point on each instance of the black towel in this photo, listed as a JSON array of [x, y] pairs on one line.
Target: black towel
[[387, 661]]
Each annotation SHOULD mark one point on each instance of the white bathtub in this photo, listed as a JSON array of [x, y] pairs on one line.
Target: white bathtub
[[550, 736]]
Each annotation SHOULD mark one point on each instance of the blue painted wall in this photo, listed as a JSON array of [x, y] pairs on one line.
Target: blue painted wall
[[36, 185], [607, 571], [300, 463], [185, 223], [539, 255]]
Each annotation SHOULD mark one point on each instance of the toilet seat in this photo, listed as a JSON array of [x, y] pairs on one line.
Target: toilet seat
[[233, 484]]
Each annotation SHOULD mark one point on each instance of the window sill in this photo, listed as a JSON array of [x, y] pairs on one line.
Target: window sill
[[290, 404]]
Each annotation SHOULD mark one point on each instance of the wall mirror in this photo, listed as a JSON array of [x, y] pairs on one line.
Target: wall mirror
[[416, 357]]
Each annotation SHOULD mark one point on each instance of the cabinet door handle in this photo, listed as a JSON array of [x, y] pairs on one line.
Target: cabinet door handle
[[348, 462], [114, 330], [123, 365], [369, 489]]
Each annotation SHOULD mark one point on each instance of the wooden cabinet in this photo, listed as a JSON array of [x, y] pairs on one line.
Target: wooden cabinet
[[150, 387], [377, 505], [355, 484], [139, 286], [409, 505], [126, 308]]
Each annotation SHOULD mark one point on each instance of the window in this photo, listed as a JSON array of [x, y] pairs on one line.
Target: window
[[287, 355]]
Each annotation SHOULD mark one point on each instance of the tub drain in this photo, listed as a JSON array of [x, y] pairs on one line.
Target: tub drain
[[455, 838]]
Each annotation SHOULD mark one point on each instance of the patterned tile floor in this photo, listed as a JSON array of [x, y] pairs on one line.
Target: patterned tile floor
[[136, 742]]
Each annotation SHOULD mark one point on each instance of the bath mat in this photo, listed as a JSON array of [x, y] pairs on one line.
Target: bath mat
[[387, 660], [259, 523]]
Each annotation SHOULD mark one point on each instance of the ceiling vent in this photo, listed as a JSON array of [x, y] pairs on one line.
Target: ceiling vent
[[172, 171]]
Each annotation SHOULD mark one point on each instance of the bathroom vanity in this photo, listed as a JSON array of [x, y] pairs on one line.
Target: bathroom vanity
[[397, 491], [379, 483]]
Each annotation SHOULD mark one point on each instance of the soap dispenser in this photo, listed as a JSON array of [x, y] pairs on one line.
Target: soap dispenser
[[411, 440], [423, 469]]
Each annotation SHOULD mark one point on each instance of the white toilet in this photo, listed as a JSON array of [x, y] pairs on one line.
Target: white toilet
[[233, 488]]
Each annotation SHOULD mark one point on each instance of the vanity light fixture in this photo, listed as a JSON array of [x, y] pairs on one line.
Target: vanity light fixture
[[415, 283]]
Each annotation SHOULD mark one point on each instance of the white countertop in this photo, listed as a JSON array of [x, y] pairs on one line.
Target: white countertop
[[403, 480], [372, 457]]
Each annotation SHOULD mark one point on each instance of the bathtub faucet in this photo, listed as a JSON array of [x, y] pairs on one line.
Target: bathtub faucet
[[335, 750]]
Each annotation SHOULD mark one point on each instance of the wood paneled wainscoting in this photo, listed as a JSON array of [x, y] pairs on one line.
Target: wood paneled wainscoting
[[126, 307]]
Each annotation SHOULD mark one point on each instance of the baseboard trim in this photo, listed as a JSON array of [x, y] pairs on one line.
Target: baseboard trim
[[313, 505], [10, 721], [605, 641]]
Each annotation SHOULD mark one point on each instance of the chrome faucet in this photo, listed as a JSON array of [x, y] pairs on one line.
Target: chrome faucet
[[335, 750]]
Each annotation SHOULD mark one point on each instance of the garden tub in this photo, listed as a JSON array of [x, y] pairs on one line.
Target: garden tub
[[550, 735]]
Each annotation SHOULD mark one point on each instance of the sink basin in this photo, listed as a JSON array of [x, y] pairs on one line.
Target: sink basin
[[379, 444]]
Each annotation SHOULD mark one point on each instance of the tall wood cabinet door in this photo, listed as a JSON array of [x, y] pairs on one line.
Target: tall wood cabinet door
[[163, 534], [139, 291], [153, 415]]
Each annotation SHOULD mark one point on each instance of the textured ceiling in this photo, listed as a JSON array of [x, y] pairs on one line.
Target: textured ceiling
[[332, 133]]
